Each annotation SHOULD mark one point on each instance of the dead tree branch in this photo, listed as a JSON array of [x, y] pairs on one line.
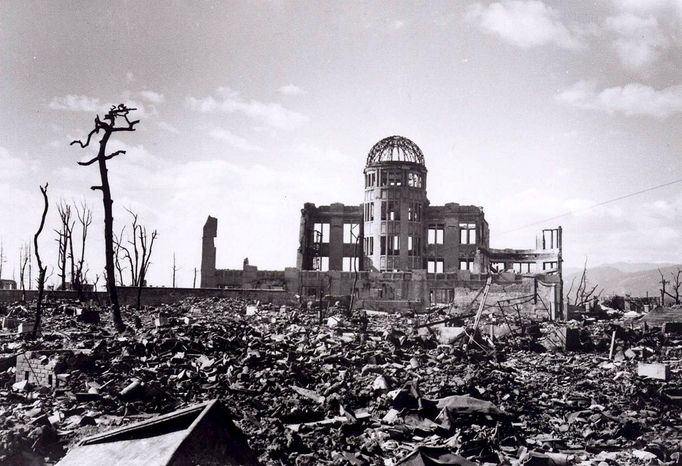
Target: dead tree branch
[[41, 269]]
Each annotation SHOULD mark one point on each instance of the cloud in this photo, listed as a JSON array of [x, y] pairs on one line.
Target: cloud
[[168, 127], [230, 101], [524, 23], [12, 167], [83, 103], [646, 5], [152, 97], [78, 103], [233, 140], [631, 100], [639, 42], [291, 89], [629, 230], [398, 24]]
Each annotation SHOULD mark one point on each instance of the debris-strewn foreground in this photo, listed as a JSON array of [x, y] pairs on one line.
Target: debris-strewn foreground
[[351, 389]]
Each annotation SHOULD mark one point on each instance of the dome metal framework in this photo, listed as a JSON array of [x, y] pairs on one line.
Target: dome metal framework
[[395, 149]]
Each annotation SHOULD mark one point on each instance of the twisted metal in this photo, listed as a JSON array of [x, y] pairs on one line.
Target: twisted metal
[[395, 149]]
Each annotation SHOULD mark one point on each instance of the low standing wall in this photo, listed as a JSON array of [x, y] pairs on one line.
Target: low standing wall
[[153, 296]]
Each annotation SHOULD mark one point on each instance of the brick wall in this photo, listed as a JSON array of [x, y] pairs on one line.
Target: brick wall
[[38, 372]]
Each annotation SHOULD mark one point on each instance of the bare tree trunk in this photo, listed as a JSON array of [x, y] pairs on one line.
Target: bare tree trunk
[[121, 111], [41, 268], [109, 233], [175, 269], [24, 253], [85, 219]]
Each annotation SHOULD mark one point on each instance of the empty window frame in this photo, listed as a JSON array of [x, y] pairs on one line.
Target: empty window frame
[[414, 180], [550, 239], [413, 245], [370, 179], [321, 264], [393, 245], [435, 265], [321, 233], [390, 245], [466, 264], [390, 210], [351, 233], [393, 210], [369, 246], [549, 265], [467, 233], [524, 267], [369, 211], [436, 233], [395, 178], [349, 264], [414, 210]]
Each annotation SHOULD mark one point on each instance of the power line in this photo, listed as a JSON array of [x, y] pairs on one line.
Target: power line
[[571, 212]]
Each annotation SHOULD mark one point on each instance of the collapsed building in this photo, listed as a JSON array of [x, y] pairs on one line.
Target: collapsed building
[[397, 251]]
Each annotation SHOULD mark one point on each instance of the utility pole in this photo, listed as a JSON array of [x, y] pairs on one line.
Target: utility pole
[[175, 269], [194, 282], [663, 283], [2, 256]]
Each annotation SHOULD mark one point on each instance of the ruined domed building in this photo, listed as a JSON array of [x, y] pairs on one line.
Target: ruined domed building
[[396, 250]]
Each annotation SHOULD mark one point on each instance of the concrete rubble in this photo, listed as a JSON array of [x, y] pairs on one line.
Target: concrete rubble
[[369, 389]]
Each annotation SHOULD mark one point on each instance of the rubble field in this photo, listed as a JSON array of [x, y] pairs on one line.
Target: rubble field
[[367, 388]]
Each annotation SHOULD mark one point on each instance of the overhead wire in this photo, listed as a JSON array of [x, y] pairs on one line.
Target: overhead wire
[[599, 204]]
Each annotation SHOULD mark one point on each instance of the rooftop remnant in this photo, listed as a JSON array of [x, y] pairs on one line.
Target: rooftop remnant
[[395, 149], [200, 434]]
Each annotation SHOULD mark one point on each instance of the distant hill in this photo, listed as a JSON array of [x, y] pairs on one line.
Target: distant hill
[[621, 278]]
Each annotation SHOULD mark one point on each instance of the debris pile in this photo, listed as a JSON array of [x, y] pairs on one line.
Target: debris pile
[[366, 388]]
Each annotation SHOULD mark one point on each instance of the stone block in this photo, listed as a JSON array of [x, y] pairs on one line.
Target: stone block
[[654, 370], [25, 327], [449, 335]]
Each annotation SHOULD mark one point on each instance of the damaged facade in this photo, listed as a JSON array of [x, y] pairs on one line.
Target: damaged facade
[[396, 250]]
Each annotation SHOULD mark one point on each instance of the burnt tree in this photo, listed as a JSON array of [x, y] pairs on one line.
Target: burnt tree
[[65, 242], [583, 294], [78, 273], [41, 268], [24, 256], [138, 253], [108, 127]]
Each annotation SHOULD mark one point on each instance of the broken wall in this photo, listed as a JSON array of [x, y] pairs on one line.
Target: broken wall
[[37, 368]]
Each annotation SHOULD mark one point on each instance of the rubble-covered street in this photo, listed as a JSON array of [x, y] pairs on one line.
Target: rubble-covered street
[[372, 389]]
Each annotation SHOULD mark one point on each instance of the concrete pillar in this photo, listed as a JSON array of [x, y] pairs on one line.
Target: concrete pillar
[[208, 253]]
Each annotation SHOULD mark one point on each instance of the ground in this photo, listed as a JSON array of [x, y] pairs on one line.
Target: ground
[[307, 393]]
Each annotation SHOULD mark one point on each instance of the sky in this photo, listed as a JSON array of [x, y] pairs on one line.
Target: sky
[[248, 110]]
